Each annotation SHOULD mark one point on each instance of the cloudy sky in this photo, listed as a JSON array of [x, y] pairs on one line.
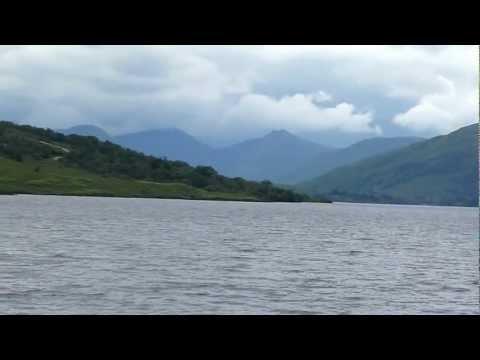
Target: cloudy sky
[[221, 94]]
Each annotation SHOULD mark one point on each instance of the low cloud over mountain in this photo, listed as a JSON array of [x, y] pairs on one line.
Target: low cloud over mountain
[[232, 93]]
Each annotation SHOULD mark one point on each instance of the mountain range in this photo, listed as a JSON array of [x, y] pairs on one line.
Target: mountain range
[[279, 156], [438, 171], [326, 161]]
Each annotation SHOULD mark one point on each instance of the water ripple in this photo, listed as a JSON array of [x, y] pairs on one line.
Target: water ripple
[[75, 255]]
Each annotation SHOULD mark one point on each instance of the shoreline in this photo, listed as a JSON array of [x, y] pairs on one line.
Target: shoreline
[[404, 204], [160, 197], [226, 199]]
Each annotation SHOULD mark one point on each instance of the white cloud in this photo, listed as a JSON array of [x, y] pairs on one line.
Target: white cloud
[[208, 89], [299, 112], [442, 81], [442, 111], [321, 97]]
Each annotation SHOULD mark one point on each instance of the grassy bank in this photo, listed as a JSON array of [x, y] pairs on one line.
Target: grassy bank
[[49, 177]]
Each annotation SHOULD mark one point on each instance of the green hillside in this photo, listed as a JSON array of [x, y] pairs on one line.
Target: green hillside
[[439, 171], [51, 178], [39, 161]]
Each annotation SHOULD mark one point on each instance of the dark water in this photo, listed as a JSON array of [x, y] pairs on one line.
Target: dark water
[[99, 255]]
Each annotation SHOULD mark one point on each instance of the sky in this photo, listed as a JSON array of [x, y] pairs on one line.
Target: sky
[[222, 94]]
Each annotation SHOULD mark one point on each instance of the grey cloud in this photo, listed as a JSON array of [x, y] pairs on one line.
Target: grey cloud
[[198, 88]]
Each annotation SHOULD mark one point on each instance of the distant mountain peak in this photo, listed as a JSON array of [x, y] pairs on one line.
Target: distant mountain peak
[[280, 133], [87, 130], [173, 143], [158, 131]]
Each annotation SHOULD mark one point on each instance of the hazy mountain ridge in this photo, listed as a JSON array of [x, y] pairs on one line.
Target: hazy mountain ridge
[[87, 130], [324, 162], [171, 143], [438, 171], [397, 170], [279, 156], [263, 158], [266, 157]]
